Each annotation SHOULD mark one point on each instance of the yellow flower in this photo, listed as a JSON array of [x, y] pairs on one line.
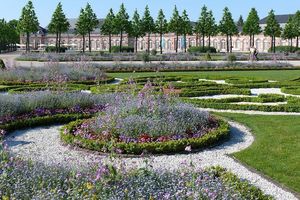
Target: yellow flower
[[89, 186], [5, 198]]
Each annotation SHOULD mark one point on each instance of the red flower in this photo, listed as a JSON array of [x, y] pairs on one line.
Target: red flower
[[144, 138]]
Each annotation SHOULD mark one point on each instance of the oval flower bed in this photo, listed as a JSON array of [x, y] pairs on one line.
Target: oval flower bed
[[146, 123]]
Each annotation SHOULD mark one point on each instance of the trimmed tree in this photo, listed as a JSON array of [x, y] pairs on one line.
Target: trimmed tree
[[136, 28], [28, 23], [81, 27], [201, 26], [272, 29], [251, 26], [175, 26], [58, 25], [211, 27], [91, 22], [122, 24], [240, 22], [161, 28], [289, 31], [228, 28], [296, 22], [186, 26], [148, 26], [108, 27]]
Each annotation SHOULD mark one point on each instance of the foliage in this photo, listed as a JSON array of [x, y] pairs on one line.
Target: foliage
[[122, 24], [2, 65], [231, 58], [50, 49], [28, 22], [284, 49], [81, 27], [186, 27], [289, 31], [175, 26], [228, 27], [252, 26], [116, 49], [136, 28], [108, 26], [202, 49], [58, 25], [147, 26], [91, 22], [8, 34], [272, 29], [161, 27]]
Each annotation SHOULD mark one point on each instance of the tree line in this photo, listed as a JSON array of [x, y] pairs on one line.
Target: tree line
[[143, 26], [9, 35]]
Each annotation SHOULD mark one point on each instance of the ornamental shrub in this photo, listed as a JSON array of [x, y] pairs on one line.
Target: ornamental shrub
[[51, 49], [285, 49], [153, 52], [207, 57], [2, 65], [127, 49], [231, 58], [145, 57], [202, 50]]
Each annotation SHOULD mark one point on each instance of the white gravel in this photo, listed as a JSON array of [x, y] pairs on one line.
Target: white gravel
[[258, 103], [222, 96], [43, 145], [215, 81], [117, 81], [250, 112]]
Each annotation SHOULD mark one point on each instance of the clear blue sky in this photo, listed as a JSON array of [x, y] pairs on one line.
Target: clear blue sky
[[11, 9]]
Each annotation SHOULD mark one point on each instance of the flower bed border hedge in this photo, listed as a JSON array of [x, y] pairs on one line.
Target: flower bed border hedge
[[169, 147]]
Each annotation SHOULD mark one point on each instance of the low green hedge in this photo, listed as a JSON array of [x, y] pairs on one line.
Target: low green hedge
[[173, 146], [284, 49], [202, 50], [42, 121], [291, 90], [127, 49], [195, 92]]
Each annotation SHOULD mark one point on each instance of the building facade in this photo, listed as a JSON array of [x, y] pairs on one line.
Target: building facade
[[99, 42]]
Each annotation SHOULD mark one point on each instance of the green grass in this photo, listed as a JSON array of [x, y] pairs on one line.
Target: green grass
[[279, 75], [276, 149]]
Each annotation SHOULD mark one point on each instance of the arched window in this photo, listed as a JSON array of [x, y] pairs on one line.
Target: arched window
[[238, 44], [266, 45], [223, 45], [169, 44]]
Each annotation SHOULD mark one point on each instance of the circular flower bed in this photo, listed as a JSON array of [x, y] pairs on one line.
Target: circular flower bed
[[146, 123]]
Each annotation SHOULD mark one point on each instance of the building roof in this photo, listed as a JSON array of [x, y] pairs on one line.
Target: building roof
[[281, 19]]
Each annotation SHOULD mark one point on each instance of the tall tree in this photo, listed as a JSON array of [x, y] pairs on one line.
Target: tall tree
[[251, 26], [289, 31], [3, 35], [240, 22], [228, 28], [108, 27], [175, 26], [296, 22], [272, 29], [211, 27], [161, 28], [122, 23], [148, 25], [186, 26], [58, 25], [91, 22], [28, 23], [81, 27], [201, 26], [136, 28]]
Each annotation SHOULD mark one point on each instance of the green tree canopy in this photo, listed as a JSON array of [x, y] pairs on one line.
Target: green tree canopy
[[108, 27], [228, 27], [175, 26], [186, 26], [136, 27], [211, 26], [272, 29], [201, 25], [28, 22], [289, 31], [148, 25], [81, 27], [161, 27], [251, 26], [122, 24], [296, 22], [240, 22], [91, 22], [59, 24]]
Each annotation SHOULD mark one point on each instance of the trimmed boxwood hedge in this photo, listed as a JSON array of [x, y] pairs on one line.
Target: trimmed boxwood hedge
[[42, 121], [173, 146]]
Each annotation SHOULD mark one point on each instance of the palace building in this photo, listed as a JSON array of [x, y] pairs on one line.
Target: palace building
[[100, 42]]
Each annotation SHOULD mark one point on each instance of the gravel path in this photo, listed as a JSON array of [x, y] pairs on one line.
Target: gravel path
[[43, 145]]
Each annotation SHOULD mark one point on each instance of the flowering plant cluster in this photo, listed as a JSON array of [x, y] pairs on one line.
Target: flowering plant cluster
[[147, 117]]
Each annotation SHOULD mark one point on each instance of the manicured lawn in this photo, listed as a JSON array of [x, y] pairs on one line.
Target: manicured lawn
[[279, 75], [276, 150]]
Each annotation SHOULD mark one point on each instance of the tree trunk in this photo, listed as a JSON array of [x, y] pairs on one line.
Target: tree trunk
[[83, 43], [121, 38], [291, 44], [227, 43], [148, 49], [250, 41], [197, 39], [209, 41], [56, 43], [184, 40], [176, 45], [90, 43], [297, 42], [136, 46], [253, 40], [27, 42], [161, 36], [274, 44], [109, 43], [230, 43], [203, 40], [59, 42]]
